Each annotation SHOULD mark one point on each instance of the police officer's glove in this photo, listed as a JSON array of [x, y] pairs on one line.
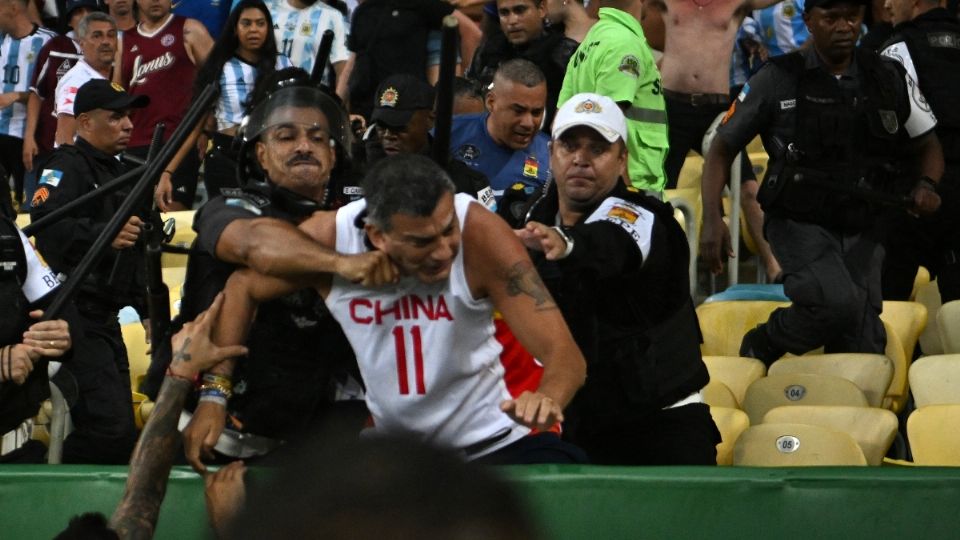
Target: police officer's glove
[[924, 200]]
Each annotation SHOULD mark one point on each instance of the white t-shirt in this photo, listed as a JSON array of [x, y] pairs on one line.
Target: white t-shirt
[[921, 119], [71, 82]]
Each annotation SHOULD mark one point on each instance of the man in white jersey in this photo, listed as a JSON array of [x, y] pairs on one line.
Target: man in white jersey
[[426, 345], [98, 42], [20, 44], [299, 26]]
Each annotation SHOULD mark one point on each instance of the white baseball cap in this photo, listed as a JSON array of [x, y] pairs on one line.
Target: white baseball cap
[[593, 110]]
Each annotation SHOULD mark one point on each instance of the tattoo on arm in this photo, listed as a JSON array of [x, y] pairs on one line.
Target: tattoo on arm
[[136, 515], [522, 279], [182, 355]]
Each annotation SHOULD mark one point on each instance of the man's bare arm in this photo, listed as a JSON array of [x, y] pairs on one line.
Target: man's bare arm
[[198, 41], [498, 266], [714, 236], [136, 515]]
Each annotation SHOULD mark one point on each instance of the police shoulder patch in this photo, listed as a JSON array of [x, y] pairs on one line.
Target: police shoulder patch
[[630, 65], [632, 218], [50, 177]]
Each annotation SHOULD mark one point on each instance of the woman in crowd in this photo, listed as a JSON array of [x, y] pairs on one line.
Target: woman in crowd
[[245, 51]]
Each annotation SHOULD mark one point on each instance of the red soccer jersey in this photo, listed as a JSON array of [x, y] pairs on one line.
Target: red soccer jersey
[[157, 65], [56, 58]]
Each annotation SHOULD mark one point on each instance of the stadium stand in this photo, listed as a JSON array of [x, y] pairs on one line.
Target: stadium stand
[[799, 389], [935, 380], [736, 372], [791, 445], [870, 372], [873, 429], [934, 434]]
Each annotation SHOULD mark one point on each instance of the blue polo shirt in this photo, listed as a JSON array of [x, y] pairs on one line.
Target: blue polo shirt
[[472, 144]]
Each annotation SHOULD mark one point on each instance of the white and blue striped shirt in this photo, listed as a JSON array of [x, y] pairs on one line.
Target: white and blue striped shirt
[[781, 27], [299, 32], [236, 83], [18, 58]]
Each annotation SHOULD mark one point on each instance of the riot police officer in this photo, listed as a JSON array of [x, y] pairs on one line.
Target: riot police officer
[[25, 283], [835, 120], [103, 418], [292, 139], [926, 41]]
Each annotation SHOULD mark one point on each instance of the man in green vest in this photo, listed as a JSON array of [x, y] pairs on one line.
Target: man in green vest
[[615, 61]]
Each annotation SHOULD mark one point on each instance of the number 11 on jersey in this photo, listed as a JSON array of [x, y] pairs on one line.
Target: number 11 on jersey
[[400, 342]]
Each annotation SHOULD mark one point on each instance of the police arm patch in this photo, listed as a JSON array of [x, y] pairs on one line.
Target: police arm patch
[[632, 218], [50, 177]]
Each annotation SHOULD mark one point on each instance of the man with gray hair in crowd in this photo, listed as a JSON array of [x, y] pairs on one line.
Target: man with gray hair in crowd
[[97, 33]]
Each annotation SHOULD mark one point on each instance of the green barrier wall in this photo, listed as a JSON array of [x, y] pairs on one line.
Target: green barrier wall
[[581, 502]]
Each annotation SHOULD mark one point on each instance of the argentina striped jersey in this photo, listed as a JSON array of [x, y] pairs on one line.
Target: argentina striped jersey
[[18, 58], [236, 84]]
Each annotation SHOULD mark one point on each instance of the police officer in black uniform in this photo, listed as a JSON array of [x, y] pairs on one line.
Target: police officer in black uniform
[[103, 417], [25, 284], [926, 41], [616, 261], [286, 382], [835, 120], [402, 119]]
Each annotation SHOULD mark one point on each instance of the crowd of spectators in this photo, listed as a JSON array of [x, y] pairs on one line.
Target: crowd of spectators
[[570, 120]]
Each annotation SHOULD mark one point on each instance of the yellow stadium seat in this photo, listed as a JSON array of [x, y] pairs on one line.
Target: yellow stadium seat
[[873, 429], [907, 319], [143, 413], [691, 172], [716, 394], [928, 294], [731, 423], [134, 337], [935, 380], [137, 400], [736, 372], [688, 205], [799, 389], [23, 220], [870, 372], [790, 445], [899, 389], [755, 146], [934, 435], [922, 278], [948, 321], [724, 323]]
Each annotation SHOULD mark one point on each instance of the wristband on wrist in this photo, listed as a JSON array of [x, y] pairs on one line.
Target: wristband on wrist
[[215, 389], [170, 373], [567, 240], [213, 398], [219, 380]]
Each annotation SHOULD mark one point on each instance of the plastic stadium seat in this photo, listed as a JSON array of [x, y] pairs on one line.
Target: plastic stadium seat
[[799, 389], [134, 338], [138, 400], [873, 429], [723, 324], [691, 172], [948, 321], [934, 434], [908, 319], [899, 390], [870, 372], [716, 394], [935, 380], [23, 220], [750, 291], [928, 294], [731, 423], [688, 205], [736, 372], [789, 445], [920, 280]]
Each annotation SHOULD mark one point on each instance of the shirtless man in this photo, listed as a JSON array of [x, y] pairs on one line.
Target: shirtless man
[[696, 85]]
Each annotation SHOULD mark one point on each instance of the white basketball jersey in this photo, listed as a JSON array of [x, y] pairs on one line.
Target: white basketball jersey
[[427, 353]]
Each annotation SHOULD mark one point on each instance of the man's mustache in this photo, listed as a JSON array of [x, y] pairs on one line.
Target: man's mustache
[[303, 159]]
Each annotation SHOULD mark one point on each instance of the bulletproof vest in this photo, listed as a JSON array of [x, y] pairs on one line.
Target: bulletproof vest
[[17, 402], [935, 51], [13, 273], [846, 141]]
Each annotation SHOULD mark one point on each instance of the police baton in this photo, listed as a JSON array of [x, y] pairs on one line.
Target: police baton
[[198, 110], [322, 58], [444, 108]]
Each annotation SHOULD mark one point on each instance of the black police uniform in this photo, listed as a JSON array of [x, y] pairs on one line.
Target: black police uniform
[[296, 348], [832, 143], [551, 52], [624, 292], [20, 402], [930, 45], [103, 416], [465, 179]]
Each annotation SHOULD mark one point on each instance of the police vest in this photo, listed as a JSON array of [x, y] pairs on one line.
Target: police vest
[[845, 140], [935, 50]]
